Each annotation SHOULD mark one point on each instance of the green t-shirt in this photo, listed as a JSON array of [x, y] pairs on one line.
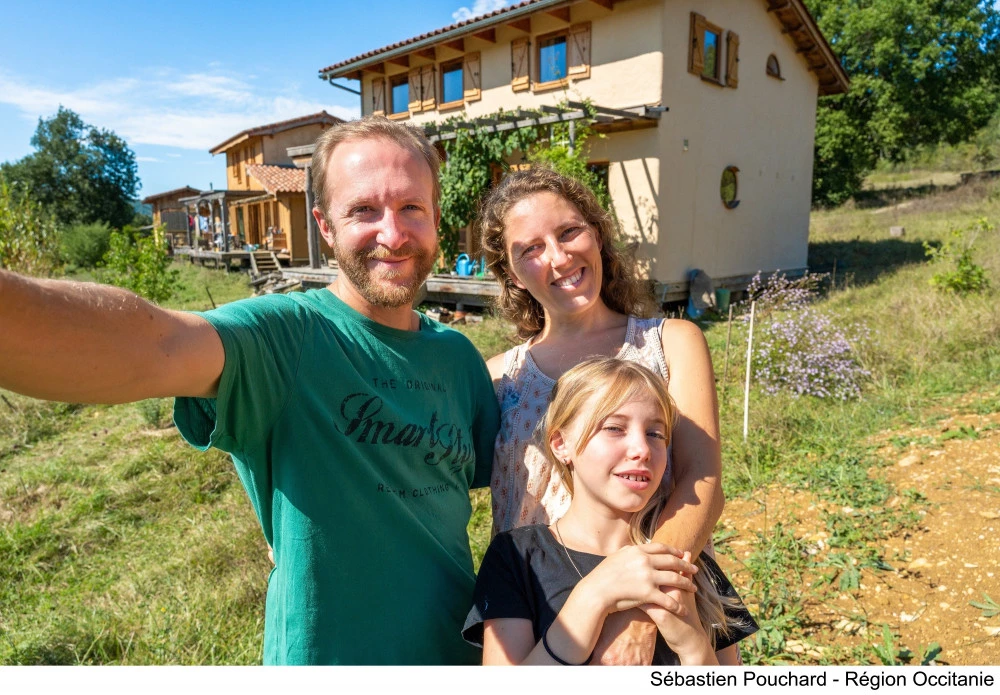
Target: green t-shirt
[[357, 444]]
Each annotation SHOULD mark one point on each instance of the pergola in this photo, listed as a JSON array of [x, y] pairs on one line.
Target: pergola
[[211, 199], [605, 120]]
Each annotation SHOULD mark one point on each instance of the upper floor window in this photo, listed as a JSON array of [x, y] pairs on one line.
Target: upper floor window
[[451, 83], [399, 94], [552, 58], [706, 53]]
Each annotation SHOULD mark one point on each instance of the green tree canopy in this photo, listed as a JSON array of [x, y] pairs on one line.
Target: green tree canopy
[[922, 72], [79, 173]]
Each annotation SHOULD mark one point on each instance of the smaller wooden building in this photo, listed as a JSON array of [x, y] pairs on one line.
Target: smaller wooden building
[[171, 214], [271, 213]]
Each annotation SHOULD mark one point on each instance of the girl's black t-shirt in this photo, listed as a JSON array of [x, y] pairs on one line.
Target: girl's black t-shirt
[[526, 573]]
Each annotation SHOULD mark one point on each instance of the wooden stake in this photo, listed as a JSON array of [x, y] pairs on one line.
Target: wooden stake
[[833, 280], [746, 389], [210, 297]]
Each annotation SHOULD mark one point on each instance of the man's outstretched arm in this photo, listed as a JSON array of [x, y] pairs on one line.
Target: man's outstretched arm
[[88, 343]]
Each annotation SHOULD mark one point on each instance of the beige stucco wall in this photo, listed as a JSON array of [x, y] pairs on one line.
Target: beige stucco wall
[[765, 127], [666, 196]]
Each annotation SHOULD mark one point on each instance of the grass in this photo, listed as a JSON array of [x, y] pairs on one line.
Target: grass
[[123, 545]]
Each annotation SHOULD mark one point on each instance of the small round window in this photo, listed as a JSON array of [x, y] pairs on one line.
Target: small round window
[[729, 187]]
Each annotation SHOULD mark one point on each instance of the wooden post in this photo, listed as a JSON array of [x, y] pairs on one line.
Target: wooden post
[[746, 389], [225, 228], [833, 279], [312, 232]]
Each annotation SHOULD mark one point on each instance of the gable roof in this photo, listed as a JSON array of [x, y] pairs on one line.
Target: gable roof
[[279, 127], [279, 179], [793, 15], [186, 190]]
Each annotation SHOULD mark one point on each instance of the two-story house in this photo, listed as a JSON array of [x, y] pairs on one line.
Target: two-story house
[[257, 161], [708, 106]]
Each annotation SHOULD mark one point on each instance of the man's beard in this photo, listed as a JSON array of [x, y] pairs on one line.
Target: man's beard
[[384, 291]]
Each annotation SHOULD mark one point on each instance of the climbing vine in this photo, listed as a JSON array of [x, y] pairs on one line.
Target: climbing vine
[[473, 155]]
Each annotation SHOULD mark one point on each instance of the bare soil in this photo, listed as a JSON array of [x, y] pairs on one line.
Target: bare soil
[[949, 558]]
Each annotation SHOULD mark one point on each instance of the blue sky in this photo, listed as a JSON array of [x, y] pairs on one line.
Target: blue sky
[[176, 78]]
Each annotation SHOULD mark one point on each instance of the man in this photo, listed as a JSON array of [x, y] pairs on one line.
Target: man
[[356, 425]]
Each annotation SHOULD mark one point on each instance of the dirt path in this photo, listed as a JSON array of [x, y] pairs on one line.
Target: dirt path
[[934, 568]]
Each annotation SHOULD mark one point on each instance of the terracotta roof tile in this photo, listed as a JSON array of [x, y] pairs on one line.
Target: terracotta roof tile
[[280, 126], [279, 179], [167, 194], [415, 39]]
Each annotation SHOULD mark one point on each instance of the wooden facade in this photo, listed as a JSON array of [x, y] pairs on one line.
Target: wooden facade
[[170, 214]]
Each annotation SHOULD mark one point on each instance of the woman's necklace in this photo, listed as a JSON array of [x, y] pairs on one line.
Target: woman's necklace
[[566, 550]]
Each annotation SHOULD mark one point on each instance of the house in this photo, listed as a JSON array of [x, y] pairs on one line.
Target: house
[[170, 214], [708, 109], [266, 204]]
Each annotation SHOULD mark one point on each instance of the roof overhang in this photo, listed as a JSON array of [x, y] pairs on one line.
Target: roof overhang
[[812, 45], [354, 65]]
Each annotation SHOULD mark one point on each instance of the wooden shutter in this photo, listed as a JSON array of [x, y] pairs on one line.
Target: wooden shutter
[[427, 88], [578, 60], [732, 59], [519, 76], [696, 50], [415, 101], [471, 78], [378, 96]]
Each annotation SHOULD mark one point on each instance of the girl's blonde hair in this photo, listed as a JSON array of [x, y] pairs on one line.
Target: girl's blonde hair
[[621, 288], [618, 382]]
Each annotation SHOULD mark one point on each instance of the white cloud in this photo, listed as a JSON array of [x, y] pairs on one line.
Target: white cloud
[[480, 7], [167, 108], [173, 155], [148, 159]]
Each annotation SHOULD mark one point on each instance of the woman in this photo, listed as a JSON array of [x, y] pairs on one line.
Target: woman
[[572, 295]]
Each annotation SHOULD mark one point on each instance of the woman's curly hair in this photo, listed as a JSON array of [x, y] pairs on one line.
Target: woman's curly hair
[[621, 288]]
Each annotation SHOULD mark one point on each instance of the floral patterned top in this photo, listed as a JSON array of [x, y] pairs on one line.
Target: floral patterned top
[[525, 487]]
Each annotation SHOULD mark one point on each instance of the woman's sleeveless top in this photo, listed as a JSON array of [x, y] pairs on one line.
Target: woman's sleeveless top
[[526, 489]]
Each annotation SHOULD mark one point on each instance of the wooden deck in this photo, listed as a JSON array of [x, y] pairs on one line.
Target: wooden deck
[[443, 289], [219, 259]]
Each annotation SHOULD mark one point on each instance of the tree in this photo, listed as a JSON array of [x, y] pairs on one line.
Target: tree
[[922, 72], [79, 173]]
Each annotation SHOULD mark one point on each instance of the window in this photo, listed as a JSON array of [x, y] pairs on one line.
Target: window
[[710, 55], [705, 52], [551, 59], [451, 83], [773, 67], [399, 95]]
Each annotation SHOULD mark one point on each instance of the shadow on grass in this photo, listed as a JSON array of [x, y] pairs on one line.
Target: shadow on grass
[[864, 261]]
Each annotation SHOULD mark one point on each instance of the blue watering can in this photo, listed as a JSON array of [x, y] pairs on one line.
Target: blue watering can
[[465, 266]]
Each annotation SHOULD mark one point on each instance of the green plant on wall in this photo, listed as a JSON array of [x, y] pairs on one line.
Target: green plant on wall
[[473, 155], [467, 173]]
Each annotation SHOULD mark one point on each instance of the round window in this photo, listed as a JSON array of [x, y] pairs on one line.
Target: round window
[[729, 188]]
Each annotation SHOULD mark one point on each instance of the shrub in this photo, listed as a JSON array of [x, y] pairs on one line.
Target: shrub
[[84, 245], [140, 264], [964, 276], [27, 236], [799, 349]]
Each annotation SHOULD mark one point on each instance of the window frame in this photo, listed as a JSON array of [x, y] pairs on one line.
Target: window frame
[[699, 28], [776, 73], [394, 81], [450, 66], [537, 83]]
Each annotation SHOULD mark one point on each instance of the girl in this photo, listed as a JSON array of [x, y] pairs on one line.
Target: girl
[[544, 592]]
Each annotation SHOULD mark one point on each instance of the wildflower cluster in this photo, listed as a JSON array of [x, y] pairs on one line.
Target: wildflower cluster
[[798, 348]]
